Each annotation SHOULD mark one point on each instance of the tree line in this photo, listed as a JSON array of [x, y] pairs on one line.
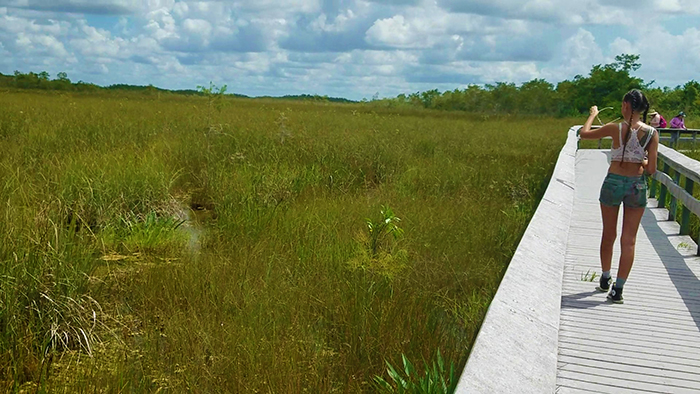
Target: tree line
[[604, 86], [61, 82]]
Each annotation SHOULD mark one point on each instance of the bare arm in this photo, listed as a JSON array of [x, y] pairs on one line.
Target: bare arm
[[652, 154], [587, 134]]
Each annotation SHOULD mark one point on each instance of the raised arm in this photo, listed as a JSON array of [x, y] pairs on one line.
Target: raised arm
[[587, 134]]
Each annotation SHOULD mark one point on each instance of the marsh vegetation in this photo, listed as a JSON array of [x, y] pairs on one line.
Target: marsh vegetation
[[150, 243]]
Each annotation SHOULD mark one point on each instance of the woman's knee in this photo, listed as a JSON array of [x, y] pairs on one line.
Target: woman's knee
[[627, 240]]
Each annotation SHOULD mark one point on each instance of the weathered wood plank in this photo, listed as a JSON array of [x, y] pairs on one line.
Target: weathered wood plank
[[649, 373], [639, 337], [680, 319], [631, 377], [637, 358], [596, 384], [680, 356], [572, 390], [629, 321]]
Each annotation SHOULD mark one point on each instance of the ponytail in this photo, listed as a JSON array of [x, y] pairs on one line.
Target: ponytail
[[638, 103]]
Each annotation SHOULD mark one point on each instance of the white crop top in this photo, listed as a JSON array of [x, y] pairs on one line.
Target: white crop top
[[634, 151]]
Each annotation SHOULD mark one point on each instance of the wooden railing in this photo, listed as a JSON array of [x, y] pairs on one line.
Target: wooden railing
[[674, 138], [683, 167]]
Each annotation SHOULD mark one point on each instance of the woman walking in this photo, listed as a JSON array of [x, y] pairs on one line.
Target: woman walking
[[634, 151]]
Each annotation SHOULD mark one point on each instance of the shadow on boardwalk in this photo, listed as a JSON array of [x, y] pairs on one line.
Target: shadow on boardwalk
[[676, 264]]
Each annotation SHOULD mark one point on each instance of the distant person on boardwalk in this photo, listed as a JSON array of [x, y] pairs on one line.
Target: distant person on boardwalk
[[678, 122], [634, 151], [657, 121]]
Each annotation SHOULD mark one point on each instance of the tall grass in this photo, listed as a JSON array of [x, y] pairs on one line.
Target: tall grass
[[145, 246]]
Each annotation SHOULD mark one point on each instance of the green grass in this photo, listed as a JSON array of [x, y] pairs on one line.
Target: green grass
[[234, 253]]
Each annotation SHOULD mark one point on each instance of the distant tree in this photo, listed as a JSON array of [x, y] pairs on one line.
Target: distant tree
[[503, 97], [627, 62], [214, 97], [536, 96], [691, 96], [428, 97]]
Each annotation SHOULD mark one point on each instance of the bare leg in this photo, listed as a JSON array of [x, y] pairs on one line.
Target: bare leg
[[607, 241], [630, 224]]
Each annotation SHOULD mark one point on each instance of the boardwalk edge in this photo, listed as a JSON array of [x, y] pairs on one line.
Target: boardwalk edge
[[516, 348]]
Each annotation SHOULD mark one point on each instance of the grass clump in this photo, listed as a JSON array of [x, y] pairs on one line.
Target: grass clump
[[376, 252]]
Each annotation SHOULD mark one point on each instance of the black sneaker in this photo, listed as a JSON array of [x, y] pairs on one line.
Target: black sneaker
[[604, 285], [615, 295]]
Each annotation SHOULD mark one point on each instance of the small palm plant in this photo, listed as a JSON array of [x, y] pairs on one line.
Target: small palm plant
[[408, 381], [376, 254], [379, 231]]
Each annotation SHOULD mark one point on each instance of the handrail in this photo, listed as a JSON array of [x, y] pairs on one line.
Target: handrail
[[516, 348], [675, 134], [682, 165], [665, 130]]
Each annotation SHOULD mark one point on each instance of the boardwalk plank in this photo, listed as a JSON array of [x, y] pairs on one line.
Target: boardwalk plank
[[685, 356], [649, 373], [592, 384], [614, 379], [608, 352]]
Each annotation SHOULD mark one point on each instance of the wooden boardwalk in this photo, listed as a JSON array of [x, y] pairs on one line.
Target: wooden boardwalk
[[649, 344]]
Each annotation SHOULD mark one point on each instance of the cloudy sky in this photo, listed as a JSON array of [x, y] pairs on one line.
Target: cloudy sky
[[347, 48]]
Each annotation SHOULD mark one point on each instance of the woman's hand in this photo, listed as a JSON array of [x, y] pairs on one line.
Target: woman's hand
[[594, 110]]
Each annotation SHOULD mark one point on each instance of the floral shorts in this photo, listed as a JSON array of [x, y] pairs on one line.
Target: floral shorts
[[632, 190]]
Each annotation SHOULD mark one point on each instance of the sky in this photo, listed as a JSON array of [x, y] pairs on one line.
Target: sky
[[346, 48]]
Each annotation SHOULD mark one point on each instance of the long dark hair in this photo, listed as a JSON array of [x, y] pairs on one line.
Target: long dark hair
[[639, 103]]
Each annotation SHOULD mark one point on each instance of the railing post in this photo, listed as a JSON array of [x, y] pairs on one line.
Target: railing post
[[674, 201], [662, 193], [600, 143], [685, 218], [695, 133]]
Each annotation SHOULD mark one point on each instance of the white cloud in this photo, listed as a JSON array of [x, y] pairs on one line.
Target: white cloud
[[98, 42], [621, 45], [43, 44], [677, 6], [276, 8], [340, 23], [667, 58], [397, 32], [197, 27], [579, 53]]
